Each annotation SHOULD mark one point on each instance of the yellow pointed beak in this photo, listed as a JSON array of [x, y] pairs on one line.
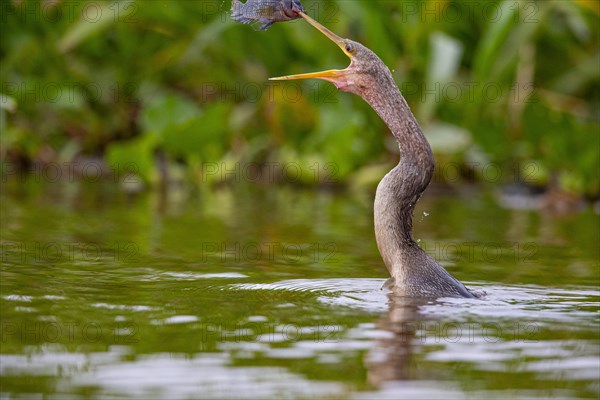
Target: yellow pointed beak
[[329, 75]]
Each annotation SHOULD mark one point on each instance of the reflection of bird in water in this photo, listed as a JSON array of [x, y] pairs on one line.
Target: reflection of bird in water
[[414, 273], [391, 357]]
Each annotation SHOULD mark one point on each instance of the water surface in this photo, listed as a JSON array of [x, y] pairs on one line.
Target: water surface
[[253, 292]]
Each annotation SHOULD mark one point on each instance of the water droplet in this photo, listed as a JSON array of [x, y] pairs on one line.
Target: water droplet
[[425, 214]]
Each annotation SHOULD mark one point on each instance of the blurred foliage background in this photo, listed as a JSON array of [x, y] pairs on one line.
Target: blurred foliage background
[[175, 88]]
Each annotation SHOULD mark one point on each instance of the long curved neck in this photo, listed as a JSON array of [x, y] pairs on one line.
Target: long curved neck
[[402, 187], [413, 173]]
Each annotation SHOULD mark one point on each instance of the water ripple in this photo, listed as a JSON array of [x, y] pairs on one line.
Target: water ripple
[[500, 301]]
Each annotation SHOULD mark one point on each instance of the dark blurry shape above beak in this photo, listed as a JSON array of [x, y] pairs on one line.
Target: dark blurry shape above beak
[[265, 12], [335, 76]]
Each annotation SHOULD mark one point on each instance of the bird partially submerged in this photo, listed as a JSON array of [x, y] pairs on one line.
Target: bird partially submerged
[[413, 272], [265, 12]]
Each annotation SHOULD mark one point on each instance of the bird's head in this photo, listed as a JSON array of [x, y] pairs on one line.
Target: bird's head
[[365, 67]]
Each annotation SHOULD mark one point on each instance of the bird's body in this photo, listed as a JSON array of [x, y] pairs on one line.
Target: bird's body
[[414, 273]]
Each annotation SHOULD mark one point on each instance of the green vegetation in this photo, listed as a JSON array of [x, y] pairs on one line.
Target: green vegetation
[[509, 82]]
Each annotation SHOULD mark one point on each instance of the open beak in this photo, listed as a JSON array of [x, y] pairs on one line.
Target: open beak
[[335, 76]]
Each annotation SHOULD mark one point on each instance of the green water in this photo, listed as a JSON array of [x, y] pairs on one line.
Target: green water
[[253, 292]]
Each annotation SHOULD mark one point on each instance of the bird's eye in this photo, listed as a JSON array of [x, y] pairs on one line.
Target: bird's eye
[[349, 48]]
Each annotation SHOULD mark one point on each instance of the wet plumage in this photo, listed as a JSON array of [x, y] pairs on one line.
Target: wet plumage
[[414, 273], [265, 12]]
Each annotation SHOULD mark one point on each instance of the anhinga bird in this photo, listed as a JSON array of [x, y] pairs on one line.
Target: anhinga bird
[[414, 273]]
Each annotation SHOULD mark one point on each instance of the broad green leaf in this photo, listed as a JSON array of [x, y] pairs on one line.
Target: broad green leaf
[[94, 18]]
